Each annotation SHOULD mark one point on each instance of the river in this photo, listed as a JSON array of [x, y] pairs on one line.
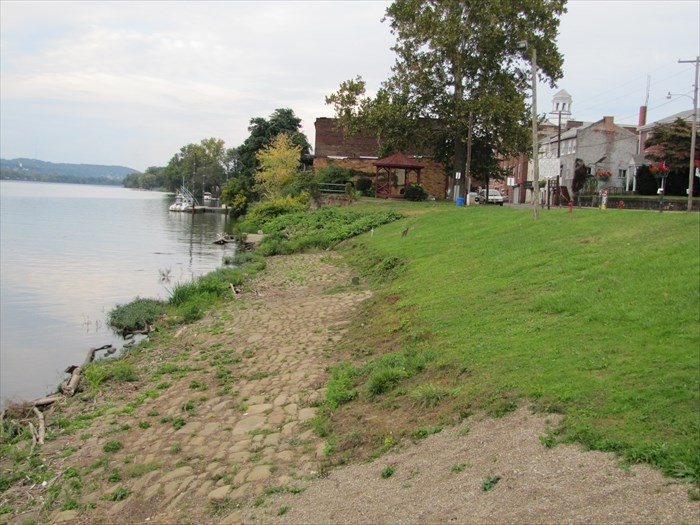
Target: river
[[68, 254]]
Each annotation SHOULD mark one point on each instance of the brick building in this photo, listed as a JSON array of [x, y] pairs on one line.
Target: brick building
[[359, 152]]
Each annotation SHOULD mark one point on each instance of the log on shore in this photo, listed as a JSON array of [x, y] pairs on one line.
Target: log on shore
[[45, 401]]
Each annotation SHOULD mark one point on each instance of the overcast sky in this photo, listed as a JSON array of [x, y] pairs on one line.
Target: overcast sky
[[129, 83]]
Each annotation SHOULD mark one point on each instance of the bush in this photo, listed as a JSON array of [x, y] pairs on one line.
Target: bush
[[364, 186], [266, 210], [416, 192], [323, 228], [135, 315], [334, 174]]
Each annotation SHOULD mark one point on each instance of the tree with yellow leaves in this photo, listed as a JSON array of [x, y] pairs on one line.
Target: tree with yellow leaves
[[278, 165]]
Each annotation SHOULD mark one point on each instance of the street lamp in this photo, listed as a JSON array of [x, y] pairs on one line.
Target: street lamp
[[691, 168], [523, 46]]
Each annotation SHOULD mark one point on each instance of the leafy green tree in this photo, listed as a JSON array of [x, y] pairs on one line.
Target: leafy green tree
[[456, 59], [131, 180], [201, 167], [262, 131]]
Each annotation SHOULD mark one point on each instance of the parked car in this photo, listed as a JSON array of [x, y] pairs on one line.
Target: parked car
[[495, 197]]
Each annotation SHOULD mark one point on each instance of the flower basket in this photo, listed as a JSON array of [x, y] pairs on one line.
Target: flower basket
[[603, 175], [659, 170]]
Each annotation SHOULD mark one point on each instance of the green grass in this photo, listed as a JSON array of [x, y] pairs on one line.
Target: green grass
[[135, 315], [593, 314], [99, 372]]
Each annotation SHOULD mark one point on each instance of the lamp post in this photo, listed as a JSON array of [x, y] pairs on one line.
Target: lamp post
[[522, 46], [691, 168]]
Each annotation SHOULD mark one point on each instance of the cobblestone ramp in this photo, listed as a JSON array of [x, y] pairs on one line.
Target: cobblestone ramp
[[236, 445]]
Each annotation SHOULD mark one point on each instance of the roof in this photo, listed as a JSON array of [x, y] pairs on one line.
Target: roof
[[398, 160], [684, 115]]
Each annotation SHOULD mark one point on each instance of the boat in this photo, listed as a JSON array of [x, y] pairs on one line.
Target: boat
[[207, 198], [184, 201]]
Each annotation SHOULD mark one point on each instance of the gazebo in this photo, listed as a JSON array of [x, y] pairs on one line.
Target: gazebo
[[393, 175]]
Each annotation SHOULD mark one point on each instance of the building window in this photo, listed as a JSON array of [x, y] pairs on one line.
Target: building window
[[588, 170], [622, 173]]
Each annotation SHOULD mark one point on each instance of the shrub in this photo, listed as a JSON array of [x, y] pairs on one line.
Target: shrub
[[266, 210], [416, 192], [364, 186], [334, 174]]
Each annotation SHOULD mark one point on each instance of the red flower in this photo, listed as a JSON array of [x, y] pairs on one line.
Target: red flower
[[659, 169], [605, 174]]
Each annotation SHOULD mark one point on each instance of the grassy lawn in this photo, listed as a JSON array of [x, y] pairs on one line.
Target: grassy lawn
[[594, 314]]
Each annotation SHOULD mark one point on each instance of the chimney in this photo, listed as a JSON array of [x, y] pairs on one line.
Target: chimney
[[642, 116], [608, 121]]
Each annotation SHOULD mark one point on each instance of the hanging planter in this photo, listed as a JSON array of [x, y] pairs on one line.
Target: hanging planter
[[660, 172], [603, 175]]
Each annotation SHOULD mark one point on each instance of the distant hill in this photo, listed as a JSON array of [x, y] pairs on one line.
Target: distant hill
[[39, 170]]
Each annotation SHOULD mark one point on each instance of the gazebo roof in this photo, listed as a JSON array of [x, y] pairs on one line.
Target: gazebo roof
[[398, 160]]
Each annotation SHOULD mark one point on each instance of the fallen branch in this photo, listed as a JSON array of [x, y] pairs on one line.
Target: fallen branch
[[42, 425], [91, 353], [44, 401], [32, 431], [73, 384]]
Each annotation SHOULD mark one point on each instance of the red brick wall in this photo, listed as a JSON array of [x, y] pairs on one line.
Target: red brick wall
[[432, 176], [330, 141]]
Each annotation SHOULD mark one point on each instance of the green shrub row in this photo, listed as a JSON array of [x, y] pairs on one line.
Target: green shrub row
[[323, 228]]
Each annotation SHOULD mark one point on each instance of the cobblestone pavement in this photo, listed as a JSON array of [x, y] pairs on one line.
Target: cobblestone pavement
[[247, 381]]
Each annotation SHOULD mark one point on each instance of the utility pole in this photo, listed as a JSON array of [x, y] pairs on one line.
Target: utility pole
[[535, 148], [468, 172], [691, 168]]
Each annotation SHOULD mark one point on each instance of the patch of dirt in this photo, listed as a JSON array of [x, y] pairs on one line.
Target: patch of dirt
[[487, 470]]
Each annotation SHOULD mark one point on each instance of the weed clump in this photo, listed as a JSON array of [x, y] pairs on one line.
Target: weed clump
[[136, 315]]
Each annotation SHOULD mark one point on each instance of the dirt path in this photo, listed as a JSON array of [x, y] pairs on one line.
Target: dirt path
[[227, 438]]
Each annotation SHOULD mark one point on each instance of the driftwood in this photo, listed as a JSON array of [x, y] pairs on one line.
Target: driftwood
[[72, 386], [41, 433], [32, 431], [44, 401], [126, 334]]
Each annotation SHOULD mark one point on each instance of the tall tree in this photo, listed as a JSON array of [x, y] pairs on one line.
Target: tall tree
[[670, 143], [201, 167], [262, 131], [461, 57]]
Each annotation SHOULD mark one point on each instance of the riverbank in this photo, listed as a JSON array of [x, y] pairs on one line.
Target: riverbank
[[219, 410], [218, 426]]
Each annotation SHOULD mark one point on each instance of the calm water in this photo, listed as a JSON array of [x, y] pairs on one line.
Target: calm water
[[68, 254]]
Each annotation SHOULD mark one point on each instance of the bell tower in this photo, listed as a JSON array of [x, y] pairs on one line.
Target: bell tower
[[561, 105]]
